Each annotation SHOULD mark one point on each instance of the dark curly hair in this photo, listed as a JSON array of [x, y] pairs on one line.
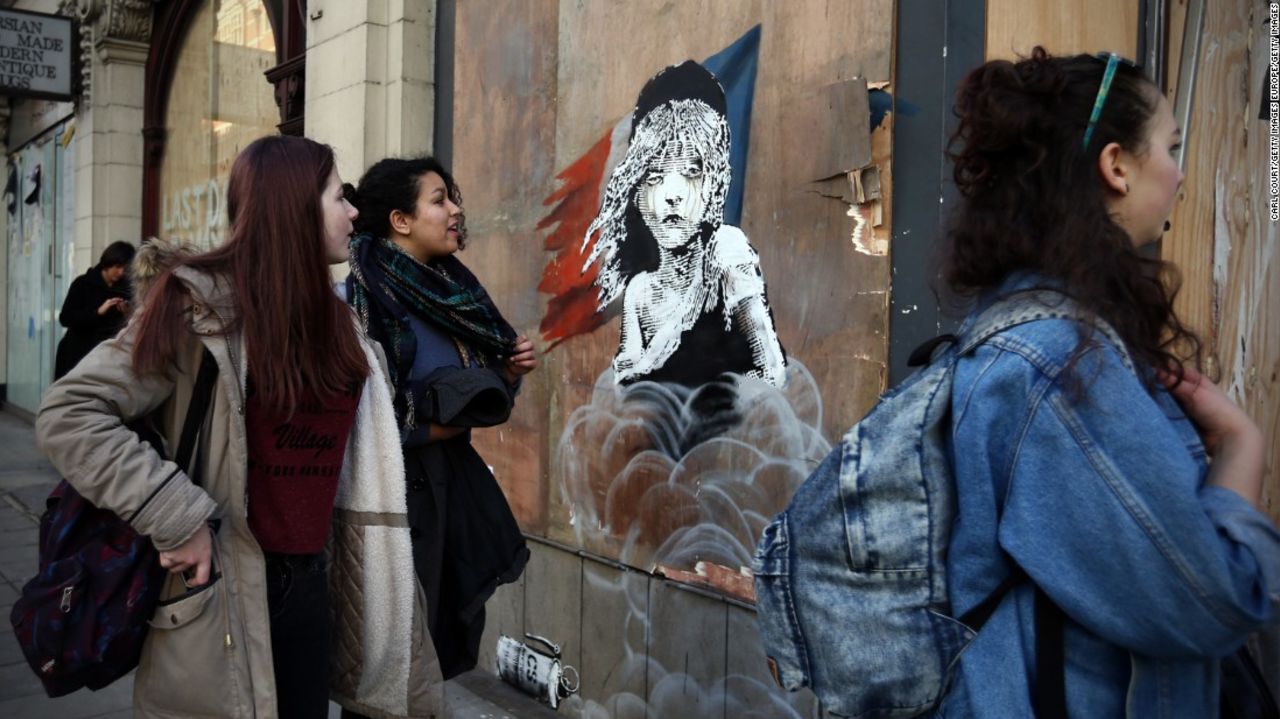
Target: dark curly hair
[[1032, 198], [394, 184]]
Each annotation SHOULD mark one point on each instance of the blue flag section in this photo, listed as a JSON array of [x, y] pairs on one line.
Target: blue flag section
[[735, 68]]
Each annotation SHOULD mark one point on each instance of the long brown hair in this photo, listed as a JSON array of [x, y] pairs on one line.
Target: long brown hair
[[1032, 199], [298, 335]]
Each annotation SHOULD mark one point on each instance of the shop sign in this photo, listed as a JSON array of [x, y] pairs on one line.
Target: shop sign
[[36, 52]]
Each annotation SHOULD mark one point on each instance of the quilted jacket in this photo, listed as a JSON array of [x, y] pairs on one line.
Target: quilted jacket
[[209, 652]]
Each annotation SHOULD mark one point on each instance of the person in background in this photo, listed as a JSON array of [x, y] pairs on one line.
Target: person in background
[[96, 306], [298, 454], [456, 364], [1081, 446]]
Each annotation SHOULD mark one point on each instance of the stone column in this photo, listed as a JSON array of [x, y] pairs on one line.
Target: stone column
[[370, 89], [114, 37]]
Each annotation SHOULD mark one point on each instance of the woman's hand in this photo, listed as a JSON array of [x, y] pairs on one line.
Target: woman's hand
[[521, 362], [195, 553], [117, 303], [1229, 435]]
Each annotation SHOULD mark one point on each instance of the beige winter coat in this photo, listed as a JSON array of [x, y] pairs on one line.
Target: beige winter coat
[[209, 652]]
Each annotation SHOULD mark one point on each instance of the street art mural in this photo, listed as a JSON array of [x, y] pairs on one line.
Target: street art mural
[[694, 302], [701, 428], [581, 299], [707, 327], [638, 474]]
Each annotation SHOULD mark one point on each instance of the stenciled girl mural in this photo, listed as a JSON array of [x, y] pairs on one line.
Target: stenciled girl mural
[[700, 427], [694, 304]]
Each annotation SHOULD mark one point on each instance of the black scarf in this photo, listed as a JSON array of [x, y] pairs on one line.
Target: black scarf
[[388, 284]]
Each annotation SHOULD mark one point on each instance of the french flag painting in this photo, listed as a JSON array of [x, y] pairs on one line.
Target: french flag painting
[[569, 277]]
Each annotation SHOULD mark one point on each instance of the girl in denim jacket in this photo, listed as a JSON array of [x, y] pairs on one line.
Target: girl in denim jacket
[[1129, 500]]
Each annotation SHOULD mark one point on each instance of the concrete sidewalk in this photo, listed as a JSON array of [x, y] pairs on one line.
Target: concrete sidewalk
[[26, 478]]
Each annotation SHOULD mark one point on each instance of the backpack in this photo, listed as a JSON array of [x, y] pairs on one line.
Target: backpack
[[851, 584], [82, 619]]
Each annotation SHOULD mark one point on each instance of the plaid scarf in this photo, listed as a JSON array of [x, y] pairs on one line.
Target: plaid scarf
[[387, 285]]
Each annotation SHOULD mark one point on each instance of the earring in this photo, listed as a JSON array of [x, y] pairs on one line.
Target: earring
[[1126, 188]]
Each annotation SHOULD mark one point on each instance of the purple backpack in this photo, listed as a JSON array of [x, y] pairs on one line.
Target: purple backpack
[[82, 619]]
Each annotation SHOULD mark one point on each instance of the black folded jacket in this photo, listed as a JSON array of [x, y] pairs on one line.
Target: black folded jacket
[[471, 397]]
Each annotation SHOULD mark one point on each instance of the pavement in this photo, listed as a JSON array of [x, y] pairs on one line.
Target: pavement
[[26, 478]]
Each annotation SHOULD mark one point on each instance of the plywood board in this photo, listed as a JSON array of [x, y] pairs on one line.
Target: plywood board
[[504, 124], [543, 83], [687, 644], [1222, 239], [1090, 26], [750, 689], [553, 584], [614, 668], [827, 298]]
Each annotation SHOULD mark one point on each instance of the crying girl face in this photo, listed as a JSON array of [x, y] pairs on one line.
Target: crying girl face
[[670, 195]]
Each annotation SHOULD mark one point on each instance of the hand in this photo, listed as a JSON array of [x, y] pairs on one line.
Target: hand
[[1229, 436], [521, 362], [195, 553], [1220, 421], [116, 303]]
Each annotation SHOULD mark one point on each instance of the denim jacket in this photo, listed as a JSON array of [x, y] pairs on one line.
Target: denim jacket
[[1100, 498]]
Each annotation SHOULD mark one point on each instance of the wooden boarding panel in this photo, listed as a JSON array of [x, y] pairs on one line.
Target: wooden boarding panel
[[1063, 28], [687, 635], [1222, 239], [614, 611], [544, 92], [750, 690], [504, 125], [826, 295], [553, 582]]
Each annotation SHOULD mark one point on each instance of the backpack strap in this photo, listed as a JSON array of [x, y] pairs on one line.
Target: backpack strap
[[921, 355], [1049, 690], [1051, 661], [1030, 305], [976, 617], [201, 396]]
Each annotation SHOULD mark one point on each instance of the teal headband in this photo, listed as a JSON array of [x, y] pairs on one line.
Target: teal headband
[[1107, 76]]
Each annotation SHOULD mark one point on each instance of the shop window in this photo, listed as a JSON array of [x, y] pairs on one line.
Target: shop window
[[219, 102]]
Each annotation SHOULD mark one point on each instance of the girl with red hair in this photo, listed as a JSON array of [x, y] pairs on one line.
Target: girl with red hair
[[291, 457]]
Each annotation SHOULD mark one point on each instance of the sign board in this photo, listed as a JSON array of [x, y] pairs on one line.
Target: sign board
[[36, 53]]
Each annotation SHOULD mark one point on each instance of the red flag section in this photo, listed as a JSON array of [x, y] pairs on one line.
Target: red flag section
[[572, 307]]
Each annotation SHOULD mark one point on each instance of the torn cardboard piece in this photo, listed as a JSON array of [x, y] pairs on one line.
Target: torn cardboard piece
[[834, 127]]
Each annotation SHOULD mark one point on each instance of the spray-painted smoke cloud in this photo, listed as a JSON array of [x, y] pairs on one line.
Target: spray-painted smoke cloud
[[661, 473]]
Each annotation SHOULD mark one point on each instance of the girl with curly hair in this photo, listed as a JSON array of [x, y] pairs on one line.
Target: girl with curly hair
[[1124, 562]]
